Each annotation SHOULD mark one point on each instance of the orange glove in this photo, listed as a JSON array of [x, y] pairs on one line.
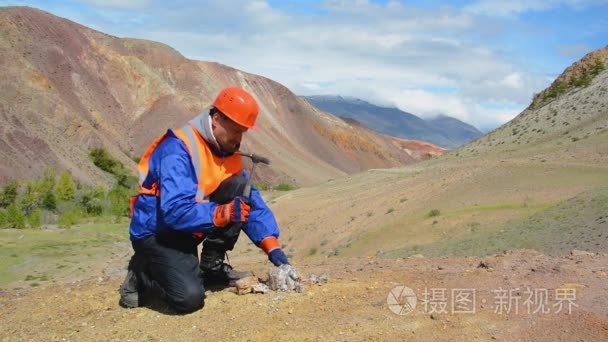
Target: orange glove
[[235, 211]]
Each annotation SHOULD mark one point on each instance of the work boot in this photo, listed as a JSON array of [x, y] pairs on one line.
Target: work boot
[[129, 294], [219, 273]]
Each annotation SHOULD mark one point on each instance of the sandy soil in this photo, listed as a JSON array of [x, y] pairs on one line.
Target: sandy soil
[[352, 306]]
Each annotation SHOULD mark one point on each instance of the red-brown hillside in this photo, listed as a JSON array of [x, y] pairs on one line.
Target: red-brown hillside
[[66, 89]]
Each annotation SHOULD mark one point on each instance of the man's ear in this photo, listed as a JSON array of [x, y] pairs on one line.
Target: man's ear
[[214, 120]]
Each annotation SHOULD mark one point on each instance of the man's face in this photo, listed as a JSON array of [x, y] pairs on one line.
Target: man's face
[[227, 132]]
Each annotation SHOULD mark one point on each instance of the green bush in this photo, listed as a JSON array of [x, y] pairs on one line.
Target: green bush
[[3, 219], [35, 218], [119, 201], [261, 186], [284, 187], [70, 218], [434, 212], [9, 194], [597, 68], [102, 159], [66, 189], [49, 202], [91, 204], [15, 217]]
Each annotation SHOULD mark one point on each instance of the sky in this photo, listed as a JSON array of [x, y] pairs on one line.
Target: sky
[[480, 61]]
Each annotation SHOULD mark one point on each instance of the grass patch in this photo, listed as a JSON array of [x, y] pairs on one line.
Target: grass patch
[[284, 187], [27, 253], [433, 213], [575, 223]]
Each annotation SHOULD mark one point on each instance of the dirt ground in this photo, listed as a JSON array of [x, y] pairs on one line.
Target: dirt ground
[[507, 290]]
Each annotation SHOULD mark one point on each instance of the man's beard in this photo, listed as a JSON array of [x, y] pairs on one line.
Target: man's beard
[[230, 150]]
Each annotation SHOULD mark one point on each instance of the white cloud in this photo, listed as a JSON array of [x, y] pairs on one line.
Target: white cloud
[[389, 54], [119, 4], [360, 49], [514, 7], [427, 105]]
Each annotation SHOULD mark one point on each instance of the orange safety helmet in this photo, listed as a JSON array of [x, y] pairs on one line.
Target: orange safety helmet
[[238, 105]]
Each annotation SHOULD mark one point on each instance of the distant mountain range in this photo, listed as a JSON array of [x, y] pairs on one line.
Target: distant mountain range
[[443, 130]]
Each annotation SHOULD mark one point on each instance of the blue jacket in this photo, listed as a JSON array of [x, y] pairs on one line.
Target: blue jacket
[[176, 208]]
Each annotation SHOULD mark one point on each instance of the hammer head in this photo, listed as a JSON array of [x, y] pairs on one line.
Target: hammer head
[[256, 158]]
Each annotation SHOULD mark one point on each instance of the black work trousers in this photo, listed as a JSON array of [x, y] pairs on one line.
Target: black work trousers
[[168, 261]]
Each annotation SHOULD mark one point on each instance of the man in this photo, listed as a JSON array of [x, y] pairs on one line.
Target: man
[[192, 183]]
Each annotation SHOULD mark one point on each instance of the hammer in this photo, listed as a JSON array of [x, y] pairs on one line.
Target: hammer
[[255, 159]]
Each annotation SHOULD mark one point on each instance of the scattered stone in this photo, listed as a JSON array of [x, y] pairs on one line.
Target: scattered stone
[[285, 278], [246, 285], [485, 264], [576, 252], [260, 288], [318, 279]]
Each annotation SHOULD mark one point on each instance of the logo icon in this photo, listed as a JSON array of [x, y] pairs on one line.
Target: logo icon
[[401, 300]]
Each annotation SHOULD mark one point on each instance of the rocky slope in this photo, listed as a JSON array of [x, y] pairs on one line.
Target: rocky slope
[[67, 88], [537, 182], [567, 111]]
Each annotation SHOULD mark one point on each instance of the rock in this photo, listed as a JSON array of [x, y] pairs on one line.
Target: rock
[[246, 285], [485, 264], [260, 288], [576, 252], [285, 278]]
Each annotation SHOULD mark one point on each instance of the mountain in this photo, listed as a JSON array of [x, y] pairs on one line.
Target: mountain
[[443, 130], [455, 129], [67, 89]]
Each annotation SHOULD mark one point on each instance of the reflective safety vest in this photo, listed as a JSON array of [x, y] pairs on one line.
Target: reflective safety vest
[[210, 169]]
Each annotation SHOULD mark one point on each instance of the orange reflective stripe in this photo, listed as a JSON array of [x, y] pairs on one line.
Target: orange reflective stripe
[[152, 191], [189, 136], [143, 166], [132, 201], [269, 244], [180, 134]]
